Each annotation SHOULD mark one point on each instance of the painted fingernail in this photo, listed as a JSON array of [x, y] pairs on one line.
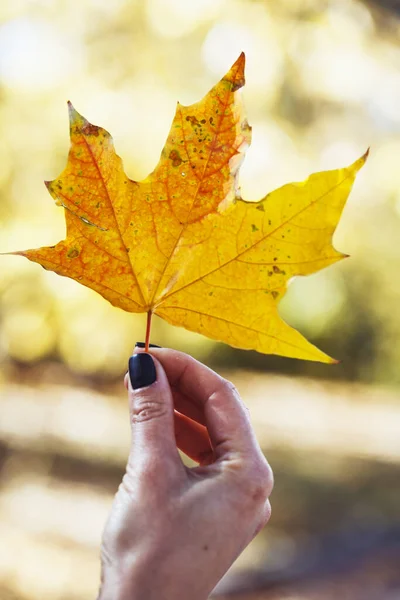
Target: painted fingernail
[[143, 345], [142, 371]]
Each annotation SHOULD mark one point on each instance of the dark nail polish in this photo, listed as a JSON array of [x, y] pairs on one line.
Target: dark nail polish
[[142, 371], [143, 345]]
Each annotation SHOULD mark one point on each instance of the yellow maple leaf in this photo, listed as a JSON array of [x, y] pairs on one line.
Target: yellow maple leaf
[[182, 243]]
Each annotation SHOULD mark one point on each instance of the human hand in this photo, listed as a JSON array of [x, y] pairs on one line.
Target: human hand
[[174, 531]]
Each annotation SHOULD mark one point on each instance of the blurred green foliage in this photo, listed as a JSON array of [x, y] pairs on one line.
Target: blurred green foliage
[[323, 84]]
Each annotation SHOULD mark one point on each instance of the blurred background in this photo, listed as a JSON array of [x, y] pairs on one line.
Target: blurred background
[[323, 84]]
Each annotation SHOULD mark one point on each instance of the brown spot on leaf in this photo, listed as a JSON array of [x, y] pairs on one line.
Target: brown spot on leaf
[[73, 252], [89, 129], [192, 120], [278, 270], [175, 157], [237, 84]]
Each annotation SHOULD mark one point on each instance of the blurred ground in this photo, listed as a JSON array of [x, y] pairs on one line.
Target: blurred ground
[[322, 85], [335, 450]]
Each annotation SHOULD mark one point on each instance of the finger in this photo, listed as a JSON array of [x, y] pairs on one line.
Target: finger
[[193, 439], [191, 435], [187, 407], [182, 404], [226, 418], [152, 414]]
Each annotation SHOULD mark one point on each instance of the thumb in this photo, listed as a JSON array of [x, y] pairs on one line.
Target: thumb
[[151, 414]]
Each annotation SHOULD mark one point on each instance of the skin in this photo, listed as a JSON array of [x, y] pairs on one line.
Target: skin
[[174, 531]]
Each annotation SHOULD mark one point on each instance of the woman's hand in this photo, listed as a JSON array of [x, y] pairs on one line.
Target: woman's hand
[[174, 531]]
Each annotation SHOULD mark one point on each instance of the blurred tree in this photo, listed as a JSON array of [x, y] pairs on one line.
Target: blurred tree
[[323, 84]]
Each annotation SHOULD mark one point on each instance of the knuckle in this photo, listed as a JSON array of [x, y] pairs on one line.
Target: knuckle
[[260, 481], [264, 517], [128, 486], [225, 391], [228, 387], [267, 513], [146, 409]]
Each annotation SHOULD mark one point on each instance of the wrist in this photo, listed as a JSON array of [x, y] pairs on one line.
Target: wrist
[[147, 582]]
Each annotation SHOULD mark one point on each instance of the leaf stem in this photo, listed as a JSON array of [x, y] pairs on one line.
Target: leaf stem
[[148, 329]]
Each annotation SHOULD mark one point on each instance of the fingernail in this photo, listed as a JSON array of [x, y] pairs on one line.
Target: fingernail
[[143, 345], [142, 371]]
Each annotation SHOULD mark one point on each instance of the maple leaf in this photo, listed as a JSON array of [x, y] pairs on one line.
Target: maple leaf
[[182, 243]]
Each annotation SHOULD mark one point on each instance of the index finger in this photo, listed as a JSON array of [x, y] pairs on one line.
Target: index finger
[[226, 417]]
